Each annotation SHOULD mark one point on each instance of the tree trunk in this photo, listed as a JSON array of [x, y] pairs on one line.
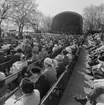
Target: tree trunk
[[0, 33], [20, 31]]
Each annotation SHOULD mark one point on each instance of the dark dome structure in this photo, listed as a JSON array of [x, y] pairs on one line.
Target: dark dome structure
[[67, 22]]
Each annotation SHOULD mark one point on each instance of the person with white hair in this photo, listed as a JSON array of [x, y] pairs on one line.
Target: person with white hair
[[60, 65], [50, 71], [19, 65], [55, 48], [2, 76], [4, 88]]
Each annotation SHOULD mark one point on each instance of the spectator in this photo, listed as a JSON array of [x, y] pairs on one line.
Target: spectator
[[99, 71], [2, 76], [18, 55], [65, 57], [35, 48], [43, 53], [42, 84], [2, 58], [35, 73], [50, 71], [31, 95], [19, 65], [35, 56], [60, 65], [11, 56], [55, 48], [97, 92], [4, 88]]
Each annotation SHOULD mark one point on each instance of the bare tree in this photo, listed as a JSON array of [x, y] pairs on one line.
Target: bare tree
[[93, 16], [47, 20], [35, 20], [5, 6], [20, 13]]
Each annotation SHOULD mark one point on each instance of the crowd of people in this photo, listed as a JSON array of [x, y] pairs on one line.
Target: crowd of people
[[40, 78], [95, 48]]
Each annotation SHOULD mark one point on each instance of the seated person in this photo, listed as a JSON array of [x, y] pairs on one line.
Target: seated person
[[60, 65], [42, 84], [2, 57], [43, 53], [99, 71], [55, 48], [34, 57], [3, 89], [19, 65], [96, 95], [31, 96], [18, 55], [50, 71], [40, 80], [11, 56], [65, 59], [35, 73]]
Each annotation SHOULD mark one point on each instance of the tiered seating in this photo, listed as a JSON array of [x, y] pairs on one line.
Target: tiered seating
[[61, 80], [11, 78], [56, 92]]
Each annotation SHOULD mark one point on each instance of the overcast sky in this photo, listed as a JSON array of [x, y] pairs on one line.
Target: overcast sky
[[52, 7]]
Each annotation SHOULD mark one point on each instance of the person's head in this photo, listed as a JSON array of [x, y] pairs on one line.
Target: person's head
[[35, 72], [48, 62], [34, 51], [23, 58], [64, 52], [59, 58], [2, 76], [43, 49], [19, 50], [12, 52], [27, 86]]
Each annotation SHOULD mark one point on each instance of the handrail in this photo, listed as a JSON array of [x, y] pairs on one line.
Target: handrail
[[52, 88], [6, 96], [5, 62]]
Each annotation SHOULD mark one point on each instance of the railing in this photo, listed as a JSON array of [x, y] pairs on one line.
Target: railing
[[68, 72], [5, 65]]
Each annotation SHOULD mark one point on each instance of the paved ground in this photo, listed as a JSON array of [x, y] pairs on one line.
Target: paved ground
[[79, 82]]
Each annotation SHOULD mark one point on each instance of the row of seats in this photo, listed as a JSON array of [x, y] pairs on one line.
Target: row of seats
[[14, 76], [55, 94], [11, 78]]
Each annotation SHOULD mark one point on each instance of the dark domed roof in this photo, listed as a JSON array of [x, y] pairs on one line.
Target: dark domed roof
[[67, 22]]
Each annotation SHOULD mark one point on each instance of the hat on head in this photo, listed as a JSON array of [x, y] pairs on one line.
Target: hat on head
[[48, 61], [2, 76], [23, 56], [59, 57]]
